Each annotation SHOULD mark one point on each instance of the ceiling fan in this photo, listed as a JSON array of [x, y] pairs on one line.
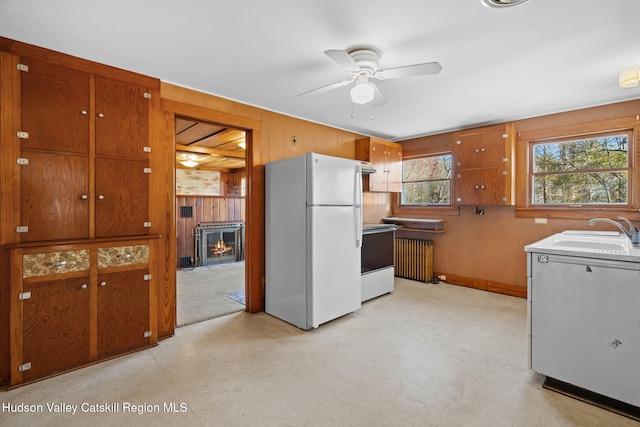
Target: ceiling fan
[[362, 65]]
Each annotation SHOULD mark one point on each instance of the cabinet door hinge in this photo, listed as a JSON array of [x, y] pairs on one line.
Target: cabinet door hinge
[[147, 277], [22, 229], [23, 135], [147, 170], [147, 224], [147, 95], [24, 295], [24, 367], [147, 334], [22, 161], [23, 67]]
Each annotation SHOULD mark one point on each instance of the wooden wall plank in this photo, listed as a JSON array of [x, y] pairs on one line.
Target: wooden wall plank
[[206, 209], [9, 191]]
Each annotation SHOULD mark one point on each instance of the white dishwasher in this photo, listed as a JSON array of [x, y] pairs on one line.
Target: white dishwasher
[[585, 323]]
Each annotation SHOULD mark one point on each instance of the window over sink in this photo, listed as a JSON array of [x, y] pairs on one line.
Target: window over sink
[[590, 170], [579, 171]]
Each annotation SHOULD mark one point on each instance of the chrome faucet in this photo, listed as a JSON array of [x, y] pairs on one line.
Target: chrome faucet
[[633, 233]]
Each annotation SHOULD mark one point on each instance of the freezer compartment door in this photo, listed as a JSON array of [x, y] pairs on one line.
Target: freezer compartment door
[[333, 181], [334, 263]]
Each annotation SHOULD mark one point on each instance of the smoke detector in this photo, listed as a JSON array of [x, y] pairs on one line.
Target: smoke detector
[[502, 3]]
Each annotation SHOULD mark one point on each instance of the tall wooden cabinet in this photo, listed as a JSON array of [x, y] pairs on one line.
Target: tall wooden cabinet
[[485, 170], [78, 277], [386, 159], [84, 148]]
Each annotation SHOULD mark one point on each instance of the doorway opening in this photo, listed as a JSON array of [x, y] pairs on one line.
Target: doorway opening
[[210, 220]]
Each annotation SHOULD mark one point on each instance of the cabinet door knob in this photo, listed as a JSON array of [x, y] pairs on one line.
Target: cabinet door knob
[[101, 197], [103, 283], [477, 187], [100, 115], [84, 197], [84, 286], [84, 112]]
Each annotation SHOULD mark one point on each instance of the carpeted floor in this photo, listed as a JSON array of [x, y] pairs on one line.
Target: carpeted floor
[[208, 292]]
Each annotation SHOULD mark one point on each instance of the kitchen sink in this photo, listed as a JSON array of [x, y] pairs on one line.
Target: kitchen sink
[[586, 244], [583, 243]]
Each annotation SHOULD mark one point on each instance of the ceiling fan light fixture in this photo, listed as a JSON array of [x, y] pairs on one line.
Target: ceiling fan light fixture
[[629, 78], [362, 93], [502, 3]]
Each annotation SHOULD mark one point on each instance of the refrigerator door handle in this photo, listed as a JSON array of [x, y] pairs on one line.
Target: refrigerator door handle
[[358, 205]]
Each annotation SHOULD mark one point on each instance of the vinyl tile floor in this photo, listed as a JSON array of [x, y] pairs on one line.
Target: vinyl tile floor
[[424, 355]]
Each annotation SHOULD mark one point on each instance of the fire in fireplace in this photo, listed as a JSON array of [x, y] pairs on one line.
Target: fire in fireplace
[[218, 242]]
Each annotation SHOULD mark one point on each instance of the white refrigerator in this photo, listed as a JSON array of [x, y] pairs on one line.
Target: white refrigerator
[[313, 232]]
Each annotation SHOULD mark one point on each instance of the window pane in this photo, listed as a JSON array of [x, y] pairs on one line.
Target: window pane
[[427, 168], [608, 152], [581, 188], [430, 192]]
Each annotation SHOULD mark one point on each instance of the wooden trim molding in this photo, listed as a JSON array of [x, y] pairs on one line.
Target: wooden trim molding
[[23, 49], [524, 207], [254, 238], [201, 113], [485, 285]]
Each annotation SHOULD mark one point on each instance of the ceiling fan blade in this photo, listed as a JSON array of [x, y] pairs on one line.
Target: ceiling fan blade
[[343, 59], [326, 88], [425, 69], [378, 98]]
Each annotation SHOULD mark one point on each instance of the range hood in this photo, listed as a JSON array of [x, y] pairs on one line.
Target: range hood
[[367, 167]]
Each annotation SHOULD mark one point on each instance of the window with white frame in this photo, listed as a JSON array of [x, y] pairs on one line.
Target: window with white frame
[[426, 180]]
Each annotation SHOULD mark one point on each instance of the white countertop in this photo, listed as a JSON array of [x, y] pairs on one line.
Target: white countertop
[[589, 244]]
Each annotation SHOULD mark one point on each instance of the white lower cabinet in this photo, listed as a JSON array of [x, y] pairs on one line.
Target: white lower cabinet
[[585, 323]]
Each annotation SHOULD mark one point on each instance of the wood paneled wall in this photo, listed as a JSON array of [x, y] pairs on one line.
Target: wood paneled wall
[[376, 207], [487, 251], [269, 137], [204, 209]]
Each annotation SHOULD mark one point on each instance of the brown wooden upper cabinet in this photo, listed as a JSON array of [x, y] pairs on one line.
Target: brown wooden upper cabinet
[[484, 159], [386, 158], [84, 154]]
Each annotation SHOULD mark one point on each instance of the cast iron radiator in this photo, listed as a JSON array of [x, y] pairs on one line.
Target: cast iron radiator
[[414, 259]]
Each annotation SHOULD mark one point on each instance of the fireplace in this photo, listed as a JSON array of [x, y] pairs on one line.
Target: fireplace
[[218, 242]]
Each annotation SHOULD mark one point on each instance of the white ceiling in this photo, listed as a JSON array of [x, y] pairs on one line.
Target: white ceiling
[[540, 57]]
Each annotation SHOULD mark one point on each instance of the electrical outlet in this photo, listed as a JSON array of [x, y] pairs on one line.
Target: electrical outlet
[[541, 220], [294, 140]]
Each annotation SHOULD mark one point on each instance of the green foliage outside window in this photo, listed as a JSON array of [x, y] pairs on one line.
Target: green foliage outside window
[[585, 171], [427, 180]]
